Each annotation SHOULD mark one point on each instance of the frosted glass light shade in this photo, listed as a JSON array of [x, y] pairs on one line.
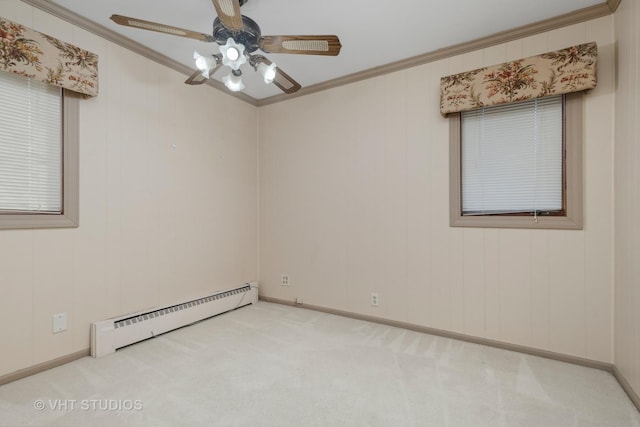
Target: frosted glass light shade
[[233, 54], [233, 83], [268, 72]]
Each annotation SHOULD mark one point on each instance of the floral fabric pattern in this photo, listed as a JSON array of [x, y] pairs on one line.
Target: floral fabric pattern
[[564, 71], [32, 54]]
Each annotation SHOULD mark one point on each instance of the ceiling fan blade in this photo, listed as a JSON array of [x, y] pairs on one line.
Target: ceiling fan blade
[[229, 13], [285, 82], [196, 78], [161, 28], [306, 45]]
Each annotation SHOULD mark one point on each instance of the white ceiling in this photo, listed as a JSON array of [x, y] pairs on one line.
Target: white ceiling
[[372, 33]]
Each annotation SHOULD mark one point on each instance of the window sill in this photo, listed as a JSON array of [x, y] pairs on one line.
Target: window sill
[[543, 222]]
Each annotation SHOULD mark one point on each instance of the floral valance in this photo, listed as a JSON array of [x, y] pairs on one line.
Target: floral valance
[[33, 54], [564, 71]]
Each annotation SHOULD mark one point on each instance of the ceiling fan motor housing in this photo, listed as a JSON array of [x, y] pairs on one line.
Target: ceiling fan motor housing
[[249, 36]]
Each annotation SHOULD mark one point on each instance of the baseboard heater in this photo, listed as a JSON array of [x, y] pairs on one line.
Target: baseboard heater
[[109, 335]]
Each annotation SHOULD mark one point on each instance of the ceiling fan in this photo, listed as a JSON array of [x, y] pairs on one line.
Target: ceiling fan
[[239, 37]]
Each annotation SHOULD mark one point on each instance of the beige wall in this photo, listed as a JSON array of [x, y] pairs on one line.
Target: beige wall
[[627, 195], [354, 199], [157, 224]]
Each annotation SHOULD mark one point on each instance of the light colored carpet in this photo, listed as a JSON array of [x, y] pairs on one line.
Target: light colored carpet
[[272, 365]]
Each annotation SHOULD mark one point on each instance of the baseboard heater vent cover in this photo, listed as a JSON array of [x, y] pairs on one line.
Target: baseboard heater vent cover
[[109, 335]]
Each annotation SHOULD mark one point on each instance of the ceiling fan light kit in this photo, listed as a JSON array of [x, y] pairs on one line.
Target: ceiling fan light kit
[[239, 37]]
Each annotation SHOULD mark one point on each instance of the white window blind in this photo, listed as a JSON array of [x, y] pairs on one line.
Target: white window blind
[[512, 158], [30, 146]]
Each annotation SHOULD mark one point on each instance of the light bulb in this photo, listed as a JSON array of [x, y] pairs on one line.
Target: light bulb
[[232, 53], [268, 72]]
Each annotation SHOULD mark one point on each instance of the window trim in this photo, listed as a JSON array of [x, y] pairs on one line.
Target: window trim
[[70, 177], [573, 220]]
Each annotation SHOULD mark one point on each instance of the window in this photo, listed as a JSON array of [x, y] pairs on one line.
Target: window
[[518, 165], [38, 155]]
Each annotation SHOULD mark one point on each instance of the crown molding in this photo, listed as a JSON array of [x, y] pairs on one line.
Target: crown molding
[[606, 8], [567, 19], [613, 5], [110, 35]]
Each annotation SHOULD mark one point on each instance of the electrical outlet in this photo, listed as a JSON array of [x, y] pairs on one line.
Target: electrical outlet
[[59, 322], [375, 300], [285, 280], [298, 300]]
